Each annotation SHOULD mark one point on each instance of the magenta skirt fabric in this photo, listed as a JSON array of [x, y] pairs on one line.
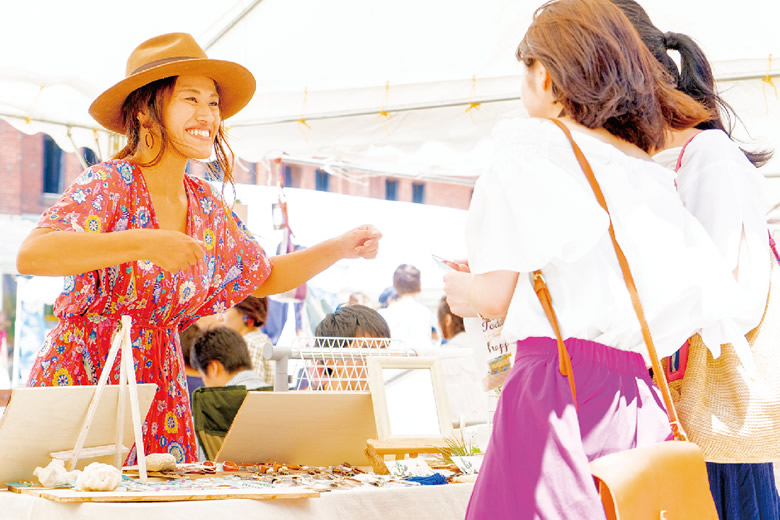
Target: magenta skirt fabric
[[536, 465]]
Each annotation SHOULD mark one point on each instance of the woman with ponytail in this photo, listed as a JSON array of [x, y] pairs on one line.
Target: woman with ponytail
[[719, 183]]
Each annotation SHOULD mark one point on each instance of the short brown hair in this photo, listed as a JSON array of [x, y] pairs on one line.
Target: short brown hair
[[254, 310], [220, 344], [406, 279], [603, 74]]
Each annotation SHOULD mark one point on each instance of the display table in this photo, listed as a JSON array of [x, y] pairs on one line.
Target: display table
[[423, 502]]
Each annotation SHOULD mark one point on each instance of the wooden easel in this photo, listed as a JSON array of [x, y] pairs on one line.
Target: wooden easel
[[126, 382], [399, 448]]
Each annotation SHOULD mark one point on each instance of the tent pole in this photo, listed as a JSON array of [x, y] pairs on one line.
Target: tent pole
[[76, 150], [230, 25]]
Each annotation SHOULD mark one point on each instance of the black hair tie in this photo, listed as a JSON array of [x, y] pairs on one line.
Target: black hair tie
[[671, 41]]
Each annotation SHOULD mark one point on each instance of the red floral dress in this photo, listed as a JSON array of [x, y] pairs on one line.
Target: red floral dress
[[112, 196]]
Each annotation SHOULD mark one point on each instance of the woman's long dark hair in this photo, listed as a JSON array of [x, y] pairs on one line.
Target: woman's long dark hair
[[694, 77]]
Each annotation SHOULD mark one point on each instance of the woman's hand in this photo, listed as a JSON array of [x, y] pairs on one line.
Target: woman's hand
[[361, 242], [172, 250], [457, 286]]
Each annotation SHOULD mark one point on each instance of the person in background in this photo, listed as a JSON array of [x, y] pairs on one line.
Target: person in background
[[187, 337], [721, 186], [409, 320], [247, 317], [348, 321], [451, 325], [533, 209], [221, 357], [359, 298], [387, 297]]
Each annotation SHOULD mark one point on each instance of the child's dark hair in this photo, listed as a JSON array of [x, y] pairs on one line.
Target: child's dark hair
[[220, 344], [353, 321]]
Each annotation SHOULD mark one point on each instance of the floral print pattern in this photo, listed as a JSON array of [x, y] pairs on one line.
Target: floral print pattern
[[110, 197]]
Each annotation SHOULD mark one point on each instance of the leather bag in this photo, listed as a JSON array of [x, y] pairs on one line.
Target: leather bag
[[666, 480]]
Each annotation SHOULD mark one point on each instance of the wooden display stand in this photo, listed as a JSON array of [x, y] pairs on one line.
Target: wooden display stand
[[376, 450], [126, 382]]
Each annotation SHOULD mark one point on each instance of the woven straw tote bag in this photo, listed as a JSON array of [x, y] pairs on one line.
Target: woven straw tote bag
[[732, 418]]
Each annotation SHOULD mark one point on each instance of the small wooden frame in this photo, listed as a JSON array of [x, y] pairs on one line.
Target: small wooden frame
[[400, 442]]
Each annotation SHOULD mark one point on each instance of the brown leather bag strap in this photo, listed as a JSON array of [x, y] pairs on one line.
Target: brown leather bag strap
[[658, 370], [564, 361]]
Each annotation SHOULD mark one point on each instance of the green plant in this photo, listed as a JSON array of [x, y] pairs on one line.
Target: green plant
[[455, 447]]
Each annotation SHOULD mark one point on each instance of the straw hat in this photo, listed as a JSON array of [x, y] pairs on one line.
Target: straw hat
[[173, 54]]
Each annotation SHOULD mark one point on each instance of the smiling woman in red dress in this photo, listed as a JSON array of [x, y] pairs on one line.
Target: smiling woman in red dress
[[138, 236]]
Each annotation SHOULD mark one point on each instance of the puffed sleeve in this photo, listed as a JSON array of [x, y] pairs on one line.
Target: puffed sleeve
[[726, 194], [89, 204], [236, 263], [527, 211]]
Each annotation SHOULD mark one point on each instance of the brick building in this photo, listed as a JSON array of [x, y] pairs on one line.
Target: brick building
[[34, 171]]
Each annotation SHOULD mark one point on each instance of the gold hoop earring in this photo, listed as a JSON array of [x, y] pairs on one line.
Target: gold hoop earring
[[149, 140]]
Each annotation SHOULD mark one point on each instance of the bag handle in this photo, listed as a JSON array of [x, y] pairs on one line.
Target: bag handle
[[540, 287]]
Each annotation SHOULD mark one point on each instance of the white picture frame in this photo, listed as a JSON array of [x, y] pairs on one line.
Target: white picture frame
[[383, 409]]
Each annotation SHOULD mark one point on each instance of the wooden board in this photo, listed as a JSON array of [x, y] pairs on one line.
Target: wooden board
[[71, 495], [307, 428], [41, 420]]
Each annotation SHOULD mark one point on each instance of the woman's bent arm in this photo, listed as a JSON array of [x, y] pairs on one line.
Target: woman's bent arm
[[47, 252]]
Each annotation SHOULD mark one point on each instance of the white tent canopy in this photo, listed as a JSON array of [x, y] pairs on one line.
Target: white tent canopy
[[409, 87]]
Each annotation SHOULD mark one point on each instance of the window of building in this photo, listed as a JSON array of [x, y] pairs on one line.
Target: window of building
[[288, 177], [418, 192], [391, 190], [90, 157], [53, 166], [322, 182]]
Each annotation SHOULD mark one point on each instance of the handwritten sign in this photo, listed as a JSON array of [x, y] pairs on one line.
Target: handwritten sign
[[409, 468], [468, 465]]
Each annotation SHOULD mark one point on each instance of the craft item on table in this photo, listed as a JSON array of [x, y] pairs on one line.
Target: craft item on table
[[385, 480], [464, 479], [433, 480], [468, 465], [99, 477], [160, 462], [55, 474], [408, 468]]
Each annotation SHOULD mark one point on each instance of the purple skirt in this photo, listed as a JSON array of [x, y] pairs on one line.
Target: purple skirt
[[536, 465]]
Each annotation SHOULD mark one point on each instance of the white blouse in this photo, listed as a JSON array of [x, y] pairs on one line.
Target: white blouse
[[725, 192], [533, 208]]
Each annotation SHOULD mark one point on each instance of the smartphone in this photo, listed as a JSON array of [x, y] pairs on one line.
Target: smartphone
[[446, 265]]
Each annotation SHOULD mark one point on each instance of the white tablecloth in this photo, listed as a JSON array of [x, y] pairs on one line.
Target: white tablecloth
[[424, 502]]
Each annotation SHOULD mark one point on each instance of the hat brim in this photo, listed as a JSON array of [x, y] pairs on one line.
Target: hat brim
[[236, 88]]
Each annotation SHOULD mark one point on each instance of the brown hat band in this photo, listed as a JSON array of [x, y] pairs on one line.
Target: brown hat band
[[157, 63]]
